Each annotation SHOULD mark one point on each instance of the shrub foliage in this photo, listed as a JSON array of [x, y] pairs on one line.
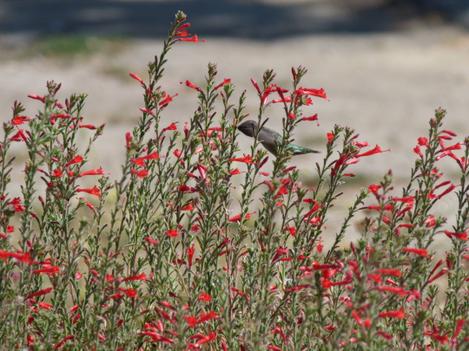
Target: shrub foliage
[[197, 247]]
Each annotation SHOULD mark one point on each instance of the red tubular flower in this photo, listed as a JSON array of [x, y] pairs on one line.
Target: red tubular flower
[[92, 191], [373, 188], [16, 204], [435, 335], [165, 101], [201, 339], [398, 314], [226, 81], [279, 252], [140, 161], [182, 27], [147, 111], [385, 335], [321, 93], [418, 152], [172, 126], [186, 189], [430, 222], [4, 255], [204, 297], [207, 316], [319, 246], [458, 235], [88, 204], [284, 99], [157, 337], [360, 144], [343, 158], [128, 140], [153, 156], [129, 292], [316, 206], [92, 172], [417, 251], [87, 126], [63, 341], [256, 86], [449, 132], [457, 330], [116, 296], [291, 230], [182, 33], [137, 277], [193, 39], [30, 340], [190, 255], [191, 321], [437, 275], [45, 305], [19, 120], [191, 85], [172, 233], [310, 118], [356, 316], [387, 207], [247, 159], [47, 269], [19, 136], [422, 141], [238, 218], [20, 256], [376, 150], [456, 146], [283, 190], [140, 173], [235, 218], [75, 160], [187, 207], [374, 277], [408, 199], [449, 189], [150, 240], [40, 292], [37, 97], [137, 78]]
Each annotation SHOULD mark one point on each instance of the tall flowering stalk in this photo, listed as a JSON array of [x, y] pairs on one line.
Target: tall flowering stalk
[[196, 246]]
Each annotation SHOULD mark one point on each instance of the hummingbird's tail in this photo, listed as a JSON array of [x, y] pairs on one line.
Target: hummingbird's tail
[[300, 150]]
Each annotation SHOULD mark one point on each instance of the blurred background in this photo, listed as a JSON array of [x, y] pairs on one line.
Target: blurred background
[[385, 64]]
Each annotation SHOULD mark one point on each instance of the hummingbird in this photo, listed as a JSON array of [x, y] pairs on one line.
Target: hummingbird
[[270, 139]]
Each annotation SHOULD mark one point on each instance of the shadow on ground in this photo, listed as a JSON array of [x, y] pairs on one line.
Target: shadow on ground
[[266, 19]]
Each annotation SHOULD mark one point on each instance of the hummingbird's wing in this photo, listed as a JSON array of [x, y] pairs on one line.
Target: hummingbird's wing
[[269, 139]]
